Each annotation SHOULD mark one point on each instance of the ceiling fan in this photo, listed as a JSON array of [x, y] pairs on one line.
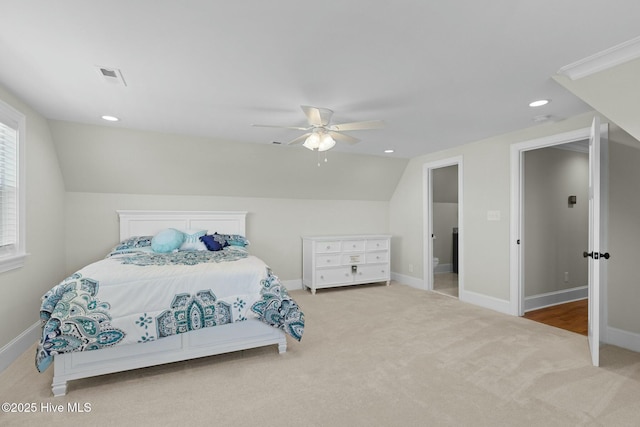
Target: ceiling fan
[[321, 135]]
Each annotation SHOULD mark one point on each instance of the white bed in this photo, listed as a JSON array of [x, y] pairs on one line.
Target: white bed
[[204, 342]]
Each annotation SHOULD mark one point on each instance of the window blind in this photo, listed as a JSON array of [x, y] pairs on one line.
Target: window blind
[[8, 187]]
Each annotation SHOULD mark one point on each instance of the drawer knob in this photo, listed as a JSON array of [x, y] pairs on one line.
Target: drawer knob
[[328, 260], [322, 277], [328, 247]]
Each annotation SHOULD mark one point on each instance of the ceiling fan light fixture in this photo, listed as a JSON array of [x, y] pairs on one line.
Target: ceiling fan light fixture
[[326, 142], [321, 134], [312, 142]]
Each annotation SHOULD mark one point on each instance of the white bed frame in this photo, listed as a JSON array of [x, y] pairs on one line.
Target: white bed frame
[[204, 342]]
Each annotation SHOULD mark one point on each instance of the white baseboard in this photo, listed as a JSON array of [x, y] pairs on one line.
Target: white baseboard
[[624, 339], [496, 304], [414, 282], [443, 268], [14, 349], [549, 299], [292, 285]]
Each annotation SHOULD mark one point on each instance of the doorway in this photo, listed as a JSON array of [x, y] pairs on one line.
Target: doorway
[[556, 223], [598, 207], [444, 249]]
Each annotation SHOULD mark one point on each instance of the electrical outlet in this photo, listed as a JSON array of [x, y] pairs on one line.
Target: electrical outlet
[[410, 268], [566, 276]]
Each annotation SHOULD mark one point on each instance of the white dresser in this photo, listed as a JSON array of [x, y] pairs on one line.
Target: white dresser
[[330, 261]]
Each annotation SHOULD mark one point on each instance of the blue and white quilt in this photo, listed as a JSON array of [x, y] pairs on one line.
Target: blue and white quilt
[[143, 296]]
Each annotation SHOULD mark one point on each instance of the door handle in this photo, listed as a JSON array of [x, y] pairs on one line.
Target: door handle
[[596, 255]]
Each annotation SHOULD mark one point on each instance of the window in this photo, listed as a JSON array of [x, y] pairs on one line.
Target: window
[[12, 236]]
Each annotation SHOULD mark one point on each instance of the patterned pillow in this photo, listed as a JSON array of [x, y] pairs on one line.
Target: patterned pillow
[[192, 240], [213, 243], [132, 244], [167, 240], [235, 240]]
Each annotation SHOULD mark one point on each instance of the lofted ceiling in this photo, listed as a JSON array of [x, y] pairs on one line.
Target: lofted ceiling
[[440, 74]]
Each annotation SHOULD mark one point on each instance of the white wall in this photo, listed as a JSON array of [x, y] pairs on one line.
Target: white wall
[[104, 159], [624, 234], [445, 184], [21, 289], [274, 226], [555, 233], [614, 92]]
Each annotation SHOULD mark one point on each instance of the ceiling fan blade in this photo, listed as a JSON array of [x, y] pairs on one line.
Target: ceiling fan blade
[[371, 124], [281, 127], [317, 116], [343, 138], [299, 139]]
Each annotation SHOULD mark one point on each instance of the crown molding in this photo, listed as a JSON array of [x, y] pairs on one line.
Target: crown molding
[[600, 61]]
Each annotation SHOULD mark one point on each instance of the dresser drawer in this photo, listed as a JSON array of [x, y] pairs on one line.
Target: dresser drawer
[[353, 245], [332, 276], [352, 258], [372, 273], [377, 244], [329, 260], [324, 247], [377, 257]]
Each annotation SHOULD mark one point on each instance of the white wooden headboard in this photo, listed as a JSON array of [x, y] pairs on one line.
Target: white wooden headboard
[[149, 223]]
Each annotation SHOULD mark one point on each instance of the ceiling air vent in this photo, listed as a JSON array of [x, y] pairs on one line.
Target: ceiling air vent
[[112, 75]]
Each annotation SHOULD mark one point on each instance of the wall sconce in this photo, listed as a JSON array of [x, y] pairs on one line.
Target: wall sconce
[[572, 201]]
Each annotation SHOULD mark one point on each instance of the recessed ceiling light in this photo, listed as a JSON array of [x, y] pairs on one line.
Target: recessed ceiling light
[[539, 103], [110, 118], [388, 151]]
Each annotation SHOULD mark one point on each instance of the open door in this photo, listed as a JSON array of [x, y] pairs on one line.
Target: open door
[[593, 253]]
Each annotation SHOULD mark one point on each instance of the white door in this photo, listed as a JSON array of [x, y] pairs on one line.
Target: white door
[[593, 253]]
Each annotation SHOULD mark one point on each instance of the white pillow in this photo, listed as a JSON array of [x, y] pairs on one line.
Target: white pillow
[[192, 240]]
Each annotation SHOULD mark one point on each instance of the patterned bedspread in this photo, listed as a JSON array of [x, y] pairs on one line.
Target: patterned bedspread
[[145, 296]]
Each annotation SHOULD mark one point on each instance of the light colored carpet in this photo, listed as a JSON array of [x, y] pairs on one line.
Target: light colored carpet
[[370, 356]]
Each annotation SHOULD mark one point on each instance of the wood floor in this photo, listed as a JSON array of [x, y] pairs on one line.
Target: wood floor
[[572, 316]]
